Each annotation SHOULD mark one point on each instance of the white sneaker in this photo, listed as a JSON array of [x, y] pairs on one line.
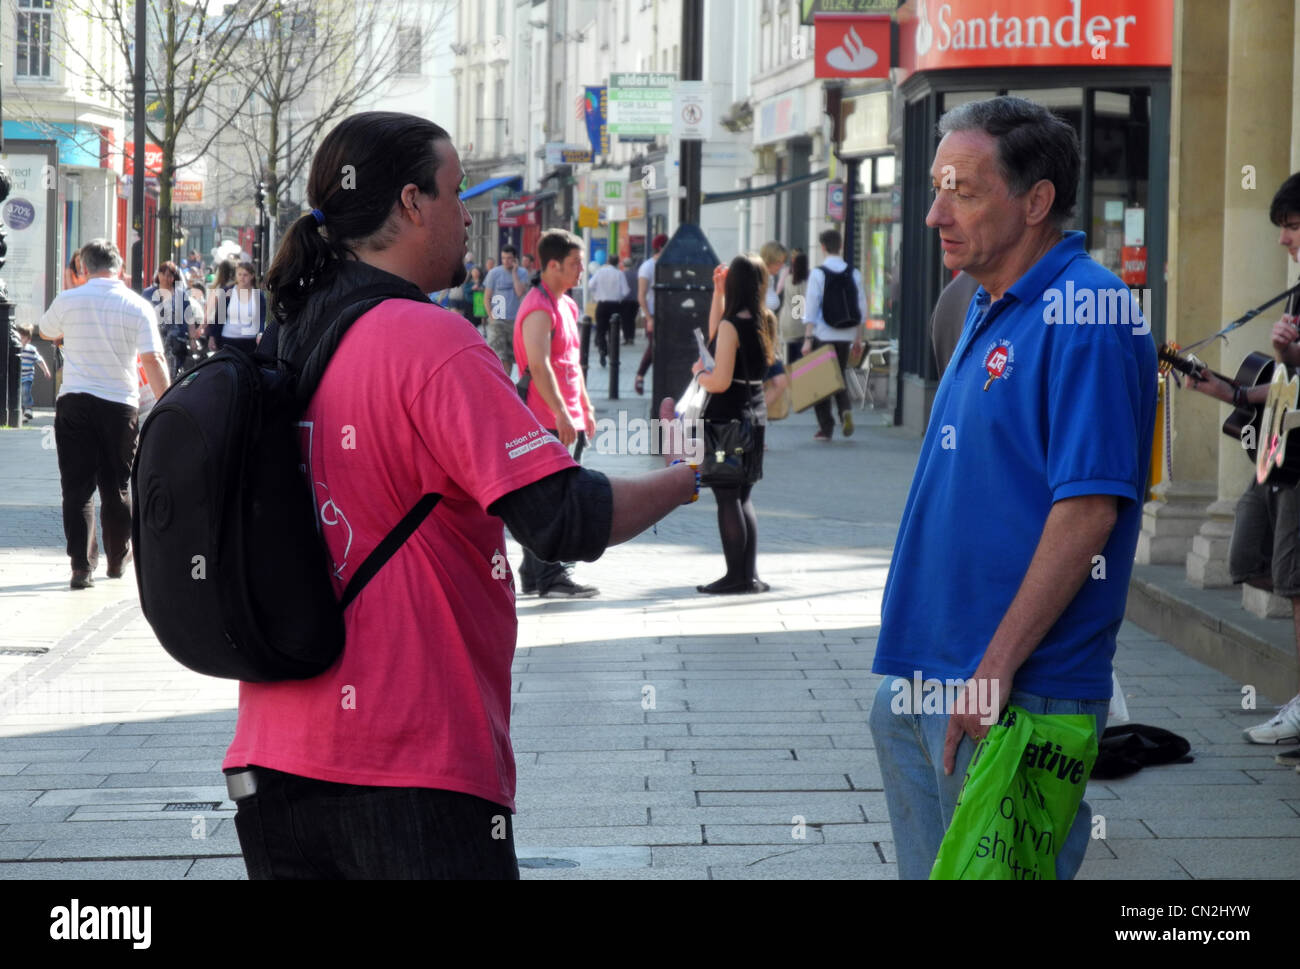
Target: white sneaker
[[1283, 728]]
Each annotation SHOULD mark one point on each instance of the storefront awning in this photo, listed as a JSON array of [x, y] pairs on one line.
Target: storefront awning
[[761, 190], [514, 181]]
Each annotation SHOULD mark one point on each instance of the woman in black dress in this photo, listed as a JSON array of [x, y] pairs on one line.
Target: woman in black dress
[[742, 352]]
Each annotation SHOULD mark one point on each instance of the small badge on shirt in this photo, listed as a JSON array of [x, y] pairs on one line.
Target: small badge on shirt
[[998, 360]]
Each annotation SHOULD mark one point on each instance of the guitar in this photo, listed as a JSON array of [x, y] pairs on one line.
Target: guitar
[[1278, 462], [1244, 424]]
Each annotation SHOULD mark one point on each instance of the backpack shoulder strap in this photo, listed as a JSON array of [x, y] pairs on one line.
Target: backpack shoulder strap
[[388, 547]]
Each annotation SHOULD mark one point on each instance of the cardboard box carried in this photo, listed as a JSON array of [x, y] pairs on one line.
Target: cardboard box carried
[[815, 377]]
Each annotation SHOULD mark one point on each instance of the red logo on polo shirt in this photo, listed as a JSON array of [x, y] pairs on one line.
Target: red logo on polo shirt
[[998, 360]]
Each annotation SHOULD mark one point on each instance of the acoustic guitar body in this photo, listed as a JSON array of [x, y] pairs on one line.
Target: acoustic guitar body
[[1256, 369], [1278, 460]]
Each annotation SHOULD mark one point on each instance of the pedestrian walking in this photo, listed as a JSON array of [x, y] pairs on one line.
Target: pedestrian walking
[[548, 348], [835, 315], [29, 359], [646, 297], [396, 762], [103, 327], [629, 308], [794, 297], [610, 291], [245, 311], [503, 287], [179, 316], [217, 306]]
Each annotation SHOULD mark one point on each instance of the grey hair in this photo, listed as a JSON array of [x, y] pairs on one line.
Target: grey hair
[[100, 255], [1033, 144]]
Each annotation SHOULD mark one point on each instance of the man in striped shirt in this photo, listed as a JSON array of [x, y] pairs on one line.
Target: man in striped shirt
[[103, 326]]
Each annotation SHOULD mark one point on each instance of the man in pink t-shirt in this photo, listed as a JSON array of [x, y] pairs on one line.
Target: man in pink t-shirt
[[546, 331], [396, 762]]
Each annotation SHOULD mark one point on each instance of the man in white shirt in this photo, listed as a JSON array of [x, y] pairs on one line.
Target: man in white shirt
[[609, 290], [105, 328], [646, 296], [832, 295]]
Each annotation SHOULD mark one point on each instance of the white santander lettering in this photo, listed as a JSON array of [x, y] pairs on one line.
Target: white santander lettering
[[980, 33]]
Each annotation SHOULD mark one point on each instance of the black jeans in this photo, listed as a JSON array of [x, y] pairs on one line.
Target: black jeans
[[843, 403], [604, 311], [302, 828], [538, 572], [95, 440], [629, 309]]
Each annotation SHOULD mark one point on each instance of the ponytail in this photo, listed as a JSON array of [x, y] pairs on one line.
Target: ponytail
[[304, 254], [357, 176]]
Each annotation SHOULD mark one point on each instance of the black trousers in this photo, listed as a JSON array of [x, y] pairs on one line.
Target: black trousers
[[302, 828], [629, 309], [605, 310], [95, 440], [843, 403], [539, 572]]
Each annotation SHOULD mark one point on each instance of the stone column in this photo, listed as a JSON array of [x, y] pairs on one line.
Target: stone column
[[1196, 173], [1257, 141]]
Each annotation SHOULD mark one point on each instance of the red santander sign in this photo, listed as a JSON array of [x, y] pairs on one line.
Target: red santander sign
[[852, 45], [153, 156], [943, 34]]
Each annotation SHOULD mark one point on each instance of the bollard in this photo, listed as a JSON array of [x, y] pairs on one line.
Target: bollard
[[10, 409], [584, 329], [614, 342]]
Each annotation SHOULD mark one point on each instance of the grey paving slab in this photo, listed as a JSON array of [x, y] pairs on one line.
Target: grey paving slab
[[785, 858], [766, 834], [217, 869], [733, 814], [818, 869], [42, 781], [130, 795], [615, 874], [114, 870], [620, 835], [71, 848]]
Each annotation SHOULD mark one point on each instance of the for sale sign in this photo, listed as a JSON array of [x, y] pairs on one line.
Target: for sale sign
[[641, 104]]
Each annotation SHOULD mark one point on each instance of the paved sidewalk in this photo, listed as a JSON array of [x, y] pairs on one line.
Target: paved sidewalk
[[659, 733]]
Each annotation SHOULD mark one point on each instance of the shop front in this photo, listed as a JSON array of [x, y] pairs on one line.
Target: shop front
[[1103, 66]]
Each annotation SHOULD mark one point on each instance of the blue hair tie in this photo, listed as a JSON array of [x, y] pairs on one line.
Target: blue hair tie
[[319, 216]]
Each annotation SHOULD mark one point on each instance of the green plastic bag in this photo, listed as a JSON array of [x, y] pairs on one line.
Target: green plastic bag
[[1020, 797]]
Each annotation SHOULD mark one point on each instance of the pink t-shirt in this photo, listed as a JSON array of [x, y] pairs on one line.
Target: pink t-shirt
[[413, 402], [566, 355]]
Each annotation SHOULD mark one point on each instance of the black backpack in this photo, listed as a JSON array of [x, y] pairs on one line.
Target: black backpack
[[840, 299], [232, 570]]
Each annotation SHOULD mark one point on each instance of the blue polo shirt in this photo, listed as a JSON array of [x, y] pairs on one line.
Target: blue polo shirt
[[1033, 408]]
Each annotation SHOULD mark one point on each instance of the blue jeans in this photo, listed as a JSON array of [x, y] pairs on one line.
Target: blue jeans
[[302, 828], [28, 403], [921, 800]]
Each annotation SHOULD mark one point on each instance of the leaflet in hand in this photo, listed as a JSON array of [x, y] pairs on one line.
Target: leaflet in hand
[[705, 356]]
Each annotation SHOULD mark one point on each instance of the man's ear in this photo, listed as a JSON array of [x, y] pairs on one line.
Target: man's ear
[[407, 200], [1041, 197]]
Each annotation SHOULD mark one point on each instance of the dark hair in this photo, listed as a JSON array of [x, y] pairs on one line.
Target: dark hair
[[510, 249], [831, 240], [745, 289], [198, 284], [169, 267], [555, 245], [357, 177], [1286, 202], [1033, 144], [100, 255], [225, 272], [799, 267], [251, 270]]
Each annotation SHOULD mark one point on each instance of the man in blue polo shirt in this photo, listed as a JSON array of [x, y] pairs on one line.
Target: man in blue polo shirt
[[1011, 567]]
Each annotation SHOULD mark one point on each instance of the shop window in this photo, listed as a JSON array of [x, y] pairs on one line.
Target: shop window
[[34, 32]]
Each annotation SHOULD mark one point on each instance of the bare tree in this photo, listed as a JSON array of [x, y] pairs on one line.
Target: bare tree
[[317, 60], [191, 47]]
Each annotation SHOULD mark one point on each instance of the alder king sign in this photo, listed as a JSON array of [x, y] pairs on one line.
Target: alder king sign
[[1035, 33]]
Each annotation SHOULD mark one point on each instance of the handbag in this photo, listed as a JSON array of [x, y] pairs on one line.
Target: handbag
[[729, 449]]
